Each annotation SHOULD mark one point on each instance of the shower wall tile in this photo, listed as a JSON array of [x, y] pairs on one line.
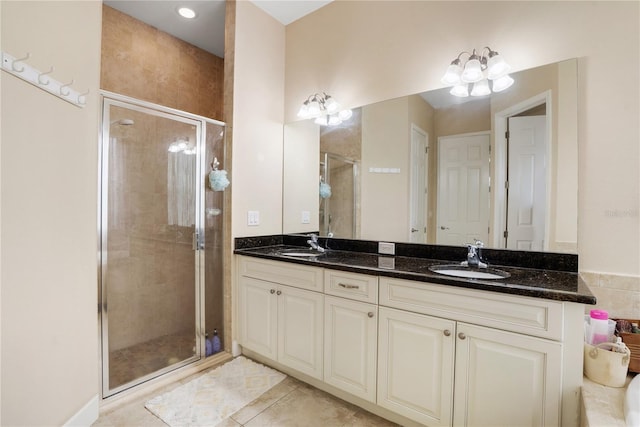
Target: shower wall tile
[[142, 62]]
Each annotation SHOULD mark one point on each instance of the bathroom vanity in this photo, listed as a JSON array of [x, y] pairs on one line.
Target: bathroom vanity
[[416, 347]]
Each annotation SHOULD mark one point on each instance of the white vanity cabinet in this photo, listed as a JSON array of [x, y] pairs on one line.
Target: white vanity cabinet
[[280, 318], [415, 366], [502, 377], [415, 352], [351, 332]]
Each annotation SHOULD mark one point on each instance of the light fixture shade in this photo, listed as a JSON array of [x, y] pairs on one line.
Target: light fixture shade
[[314, 108], [331, 105], [502, 83], [481, 88], [461, 91], [472, 71], [345, 114], [496, 67], [334, 120], [322, 121], [452, 75], [303, 113]]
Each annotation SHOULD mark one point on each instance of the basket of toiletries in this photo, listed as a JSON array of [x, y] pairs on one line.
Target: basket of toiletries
[[629, 331], [606, 356]]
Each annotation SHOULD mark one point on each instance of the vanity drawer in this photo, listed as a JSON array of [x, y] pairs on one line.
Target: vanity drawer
[[361, 287], [300, 276], [531, 316]]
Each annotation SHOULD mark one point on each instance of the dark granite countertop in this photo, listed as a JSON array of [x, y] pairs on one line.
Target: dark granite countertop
[[531, 282]]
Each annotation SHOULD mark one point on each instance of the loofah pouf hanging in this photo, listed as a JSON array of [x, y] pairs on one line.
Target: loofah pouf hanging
[[218, 178]]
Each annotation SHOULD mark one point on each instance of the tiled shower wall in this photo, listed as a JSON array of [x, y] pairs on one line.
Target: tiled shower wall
[[141, 62]]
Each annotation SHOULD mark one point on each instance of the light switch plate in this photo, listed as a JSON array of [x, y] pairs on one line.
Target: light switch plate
[[253, 218], [306, 217], [387, 248]]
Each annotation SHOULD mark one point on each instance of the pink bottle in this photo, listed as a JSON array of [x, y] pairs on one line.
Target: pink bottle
[[598, 327]]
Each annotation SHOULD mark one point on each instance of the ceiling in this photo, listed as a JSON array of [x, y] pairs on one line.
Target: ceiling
[[206, 30]]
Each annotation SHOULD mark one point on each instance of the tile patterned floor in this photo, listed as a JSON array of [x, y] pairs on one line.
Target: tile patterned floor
[[136, 361], [290, 403]]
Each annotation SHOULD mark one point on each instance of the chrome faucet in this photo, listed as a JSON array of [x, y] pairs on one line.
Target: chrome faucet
[[313, 242], [474, 255]]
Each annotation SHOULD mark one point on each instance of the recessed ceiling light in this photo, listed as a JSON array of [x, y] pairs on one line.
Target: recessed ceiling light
[[185, 12]]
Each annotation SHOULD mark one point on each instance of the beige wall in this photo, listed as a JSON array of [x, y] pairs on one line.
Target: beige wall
[[366, 58], [257, 121], [49, 213]]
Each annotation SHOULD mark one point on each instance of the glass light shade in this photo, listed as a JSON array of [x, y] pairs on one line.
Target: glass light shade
[[345, 114], [481, 88], [334, 120], [452, 76], [502, 83], [173, 148], [331, 105], [303, 113], [322, 121], [472, 71], [496, 67], [461, 91], [314, 108]]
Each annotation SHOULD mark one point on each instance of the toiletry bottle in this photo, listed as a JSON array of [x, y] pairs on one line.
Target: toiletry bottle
[[598, 327], [216, 341], [208, 346]]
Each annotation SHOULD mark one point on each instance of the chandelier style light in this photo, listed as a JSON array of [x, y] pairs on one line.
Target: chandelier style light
[[477, 71], [325, 109]]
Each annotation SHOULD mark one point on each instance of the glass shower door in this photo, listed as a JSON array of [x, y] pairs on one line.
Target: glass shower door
[[149, 243]]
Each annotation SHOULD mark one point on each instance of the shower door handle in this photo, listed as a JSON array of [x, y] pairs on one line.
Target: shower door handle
[[195, 242]]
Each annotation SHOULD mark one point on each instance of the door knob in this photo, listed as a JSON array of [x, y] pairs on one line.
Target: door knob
[[462, 336], [370, 314], [414, 230], [279, 293], [447, 333], [272, 291], [442, 227]]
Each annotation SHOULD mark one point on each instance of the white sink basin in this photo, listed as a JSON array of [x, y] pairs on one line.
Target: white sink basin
[[301, 252], [456, 270]]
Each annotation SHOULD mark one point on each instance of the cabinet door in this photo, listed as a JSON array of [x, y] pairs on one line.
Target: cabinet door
[[258, 314], [415, 366], [300, 315], [505, 379], [350, 343]]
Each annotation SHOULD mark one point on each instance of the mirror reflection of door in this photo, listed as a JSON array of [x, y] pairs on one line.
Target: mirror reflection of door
[[527, 188], [418, 188], [463, 188]]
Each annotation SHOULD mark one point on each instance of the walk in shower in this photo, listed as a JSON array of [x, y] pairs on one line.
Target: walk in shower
[[339, 213], [161, 249]]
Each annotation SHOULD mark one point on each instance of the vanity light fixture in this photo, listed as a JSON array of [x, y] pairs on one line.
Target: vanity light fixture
[[186, 12], [478, 70], [325, 109]]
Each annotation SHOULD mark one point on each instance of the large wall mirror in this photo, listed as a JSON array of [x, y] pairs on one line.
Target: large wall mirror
[[437, 169]]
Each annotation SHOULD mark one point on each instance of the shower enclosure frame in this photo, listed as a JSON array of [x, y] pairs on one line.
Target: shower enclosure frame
[[109, 99], [325, 224]]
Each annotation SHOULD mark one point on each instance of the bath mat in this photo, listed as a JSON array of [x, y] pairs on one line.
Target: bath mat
[[211, 398]]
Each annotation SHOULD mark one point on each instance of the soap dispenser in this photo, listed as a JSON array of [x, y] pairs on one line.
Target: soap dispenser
[[216, 346]]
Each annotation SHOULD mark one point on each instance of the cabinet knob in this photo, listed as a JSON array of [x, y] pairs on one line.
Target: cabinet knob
[[370, 314], [279, 293], [447, 333], [462, 336], [272, 291]]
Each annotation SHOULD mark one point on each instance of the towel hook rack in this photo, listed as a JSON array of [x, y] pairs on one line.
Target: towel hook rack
[[42, 77], [19, 60]]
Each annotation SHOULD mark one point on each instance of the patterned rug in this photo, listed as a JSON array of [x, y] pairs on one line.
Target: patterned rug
[[216, 395]]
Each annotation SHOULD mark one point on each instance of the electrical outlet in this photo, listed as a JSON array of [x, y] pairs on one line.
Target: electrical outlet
[[253, 218], [387, 248], [306, 217]]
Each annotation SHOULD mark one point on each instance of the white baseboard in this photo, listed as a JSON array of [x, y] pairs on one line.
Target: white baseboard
[[87, 415]]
